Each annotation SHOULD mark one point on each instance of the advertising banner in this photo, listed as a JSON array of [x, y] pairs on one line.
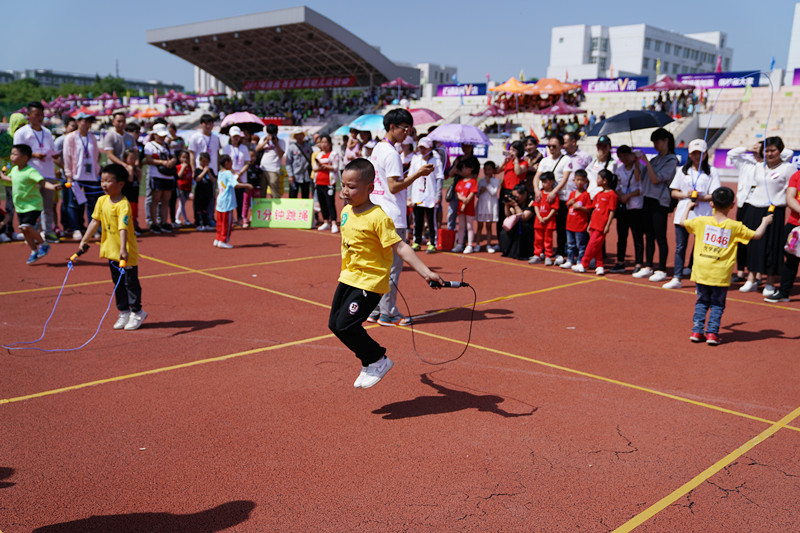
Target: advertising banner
[[613, 85], [465, 89], [796, 78], [321, 82], [283, 213], [720, 80]]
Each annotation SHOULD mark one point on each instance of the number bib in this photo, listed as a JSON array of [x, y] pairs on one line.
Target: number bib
[[714, 236]]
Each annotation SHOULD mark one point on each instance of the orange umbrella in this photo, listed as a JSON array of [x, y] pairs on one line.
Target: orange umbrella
[[147, 113], [549, 86], [514, 86]]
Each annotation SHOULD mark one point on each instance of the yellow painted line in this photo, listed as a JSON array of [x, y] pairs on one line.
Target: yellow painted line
[[706, 474], [163, 369], [244, 284], [275, 262], [607, 380], [88, 283]]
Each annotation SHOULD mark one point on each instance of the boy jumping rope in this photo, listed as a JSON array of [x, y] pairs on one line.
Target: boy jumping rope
[[717, 238], [118, 243], [369, 246]]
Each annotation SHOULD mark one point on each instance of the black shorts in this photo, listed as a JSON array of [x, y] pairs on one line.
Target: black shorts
[[161, 184], [28, 218]]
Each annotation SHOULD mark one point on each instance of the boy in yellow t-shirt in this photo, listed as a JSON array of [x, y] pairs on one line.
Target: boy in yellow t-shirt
[[369, 242], [716, 240], [118, 243]]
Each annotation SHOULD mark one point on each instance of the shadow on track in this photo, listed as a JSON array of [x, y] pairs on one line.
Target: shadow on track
[[190, 325], [449, 401], [6, 472], [740, 335], [217, 519]]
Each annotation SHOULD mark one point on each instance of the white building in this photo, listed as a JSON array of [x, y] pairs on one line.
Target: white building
[[794, 47], [585, 52], [436, 74]]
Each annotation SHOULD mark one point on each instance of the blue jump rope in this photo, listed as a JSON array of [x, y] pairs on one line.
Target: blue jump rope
[[25, 345]]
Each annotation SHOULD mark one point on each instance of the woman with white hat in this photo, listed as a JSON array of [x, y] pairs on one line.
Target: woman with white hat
[[161, 174]]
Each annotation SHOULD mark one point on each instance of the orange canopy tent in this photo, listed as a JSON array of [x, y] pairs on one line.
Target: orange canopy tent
[[147, 113], [514, 86], [552, 86]]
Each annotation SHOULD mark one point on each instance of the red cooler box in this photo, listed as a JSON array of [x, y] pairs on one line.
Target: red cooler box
[[445, 239]]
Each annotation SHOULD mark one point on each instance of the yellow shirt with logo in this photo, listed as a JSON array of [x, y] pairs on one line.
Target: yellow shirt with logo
[[715, 245], [367, 240], [114, 217]]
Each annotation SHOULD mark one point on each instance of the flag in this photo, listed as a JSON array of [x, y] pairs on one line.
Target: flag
[[658, 66], [521, 75], [566, 74], [719, 64], [611, 70], [772, 63], [748, 90]]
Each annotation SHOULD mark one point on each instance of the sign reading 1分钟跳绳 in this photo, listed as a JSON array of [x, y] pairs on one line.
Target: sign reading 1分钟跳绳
[[283, 213]]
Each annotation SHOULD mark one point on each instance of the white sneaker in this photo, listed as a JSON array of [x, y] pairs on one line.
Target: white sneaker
[[375, 372], [535, 260], [136, 320], [658, 275], [469, 249], [122, 321], [578, 267], [225, 245], [360, 378], [674, 283], [645, 272], [216, 242], [21, 237], [200, 228], [334, 228], [559, 260], [566, 265], [768, 290], [324, 227], [458, 249], [491, 249], [476, 248], [600, 271], [548, 261], [749, 286], [4, 238]]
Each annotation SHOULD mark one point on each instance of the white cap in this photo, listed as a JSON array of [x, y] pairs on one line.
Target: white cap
[[235, 130], [160, 130], [698, 145], [425, 143], [408, 140]]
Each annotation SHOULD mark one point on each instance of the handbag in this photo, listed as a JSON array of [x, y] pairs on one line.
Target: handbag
[[793, 242], [510, 222], [451, 192]]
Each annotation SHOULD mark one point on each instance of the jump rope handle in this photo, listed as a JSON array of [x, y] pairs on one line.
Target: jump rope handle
[[79, 253], [447, 284], [123, 263], [771, 209], [694, 195]]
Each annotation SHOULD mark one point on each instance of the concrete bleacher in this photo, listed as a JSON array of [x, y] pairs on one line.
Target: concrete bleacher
[[757, 120]]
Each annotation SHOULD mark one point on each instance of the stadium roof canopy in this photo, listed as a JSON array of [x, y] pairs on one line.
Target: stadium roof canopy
[[277, 45]]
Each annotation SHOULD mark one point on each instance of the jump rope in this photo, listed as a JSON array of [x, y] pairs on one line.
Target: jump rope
[[446, 285], [26, 345]]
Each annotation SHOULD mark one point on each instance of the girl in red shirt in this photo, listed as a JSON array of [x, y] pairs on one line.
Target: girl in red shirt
[[545, 223], [605, 203], [184, 191], [467, 191]]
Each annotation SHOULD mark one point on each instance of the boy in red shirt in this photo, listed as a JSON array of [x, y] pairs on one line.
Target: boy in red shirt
[[580, 209], [605, 203], [545, 223], [466, 191]]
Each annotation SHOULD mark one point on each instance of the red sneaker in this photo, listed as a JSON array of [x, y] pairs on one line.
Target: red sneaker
[[696, 337], [712, 339]]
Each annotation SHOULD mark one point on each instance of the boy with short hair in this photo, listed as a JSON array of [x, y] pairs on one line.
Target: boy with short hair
[[227, 183], [369, 246], [716, 241], [113, 215], [26, 189]]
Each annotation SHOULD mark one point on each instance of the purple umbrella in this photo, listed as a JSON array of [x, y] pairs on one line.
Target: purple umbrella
[[459, 134]]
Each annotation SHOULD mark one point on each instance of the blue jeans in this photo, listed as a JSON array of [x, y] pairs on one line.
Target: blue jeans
[[681, 243], [710, 300], [576, 245]]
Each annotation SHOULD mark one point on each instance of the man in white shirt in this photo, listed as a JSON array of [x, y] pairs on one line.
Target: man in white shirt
[[206, 141], [270, 164], [577, 159], [45, 157], [389, 193]]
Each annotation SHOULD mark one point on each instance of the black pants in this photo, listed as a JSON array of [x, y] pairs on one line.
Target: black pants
[[128, 293], [304, 188], [326, 195], [202, 197], [350, 308], [655, 232], [426, 214], [629, 220], [561, 228]]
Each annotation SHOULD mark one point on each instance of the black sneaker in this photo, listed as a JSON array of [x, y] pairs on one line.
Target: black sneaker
[[154, 229], [735, 278], [617, 268], [776, 297]]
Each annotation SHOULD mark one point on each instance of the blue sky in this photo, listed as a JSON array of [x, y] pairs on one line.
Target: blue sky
[[499, 37]]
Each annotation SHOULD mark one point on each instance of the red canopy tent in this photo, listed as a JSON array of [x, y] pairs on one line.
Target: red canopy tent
[[400, 83], [560, 108], [491, 111], [83, 109]]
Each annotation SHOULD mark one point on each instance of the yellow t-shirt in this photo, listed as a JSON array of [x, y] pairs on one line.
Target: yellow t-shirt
[[715, 245], [367, 240], [114, 217]]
